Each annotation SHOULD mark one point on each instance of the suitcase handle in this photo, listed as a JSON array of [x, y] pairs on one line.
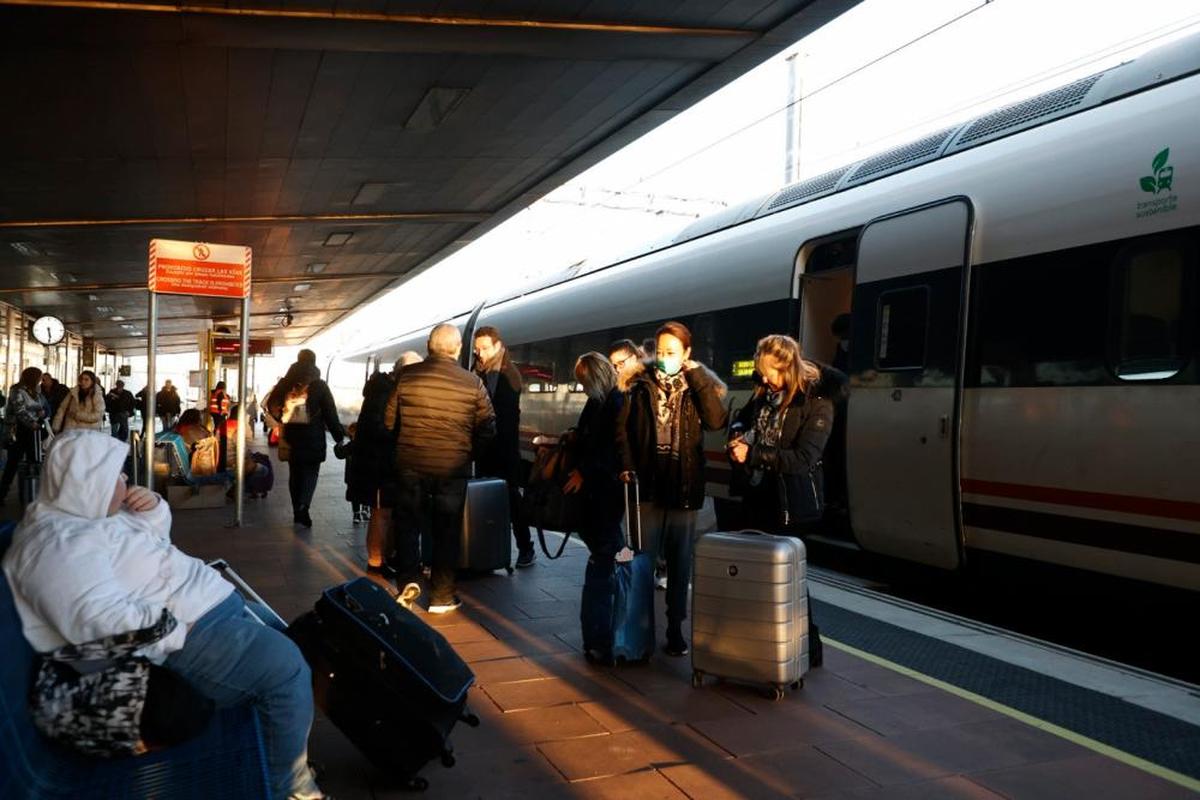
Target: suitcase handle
[[633, 520]]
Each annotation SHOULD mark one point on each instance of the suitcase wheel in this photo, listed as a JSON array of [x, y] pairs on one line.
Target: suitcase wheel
[[470, 720], [448, 760], [697, 679], [509, 569], [416, 784], [798, 684], [776, 693]]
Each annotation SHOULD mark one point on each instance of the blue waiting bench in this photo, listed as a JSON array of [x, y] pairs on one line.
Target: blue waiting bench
[[226, 761]]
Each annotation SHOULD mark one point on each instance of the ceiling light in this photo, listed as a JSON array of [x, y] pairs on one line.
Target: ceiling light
[[117, 318], [317, 268], [136, 333], [26, 249], [93, 297], [337, 239], [104, 309], [301, 287], [127, 326], [64, 277]]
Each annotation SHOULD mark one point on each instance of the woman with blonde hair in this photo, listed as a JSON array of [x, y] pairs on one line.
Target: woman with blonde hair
[[777, 441], [82, 408]]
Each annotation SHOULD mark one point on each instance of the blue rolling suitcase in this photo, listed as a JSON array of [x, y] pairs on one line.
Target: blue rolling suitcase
[[617, 610]]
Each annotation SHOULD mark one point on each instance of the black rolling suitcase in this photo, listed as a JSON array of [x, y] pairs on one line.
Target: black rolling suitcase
[[29, 471], [390, 682], [485, 541]]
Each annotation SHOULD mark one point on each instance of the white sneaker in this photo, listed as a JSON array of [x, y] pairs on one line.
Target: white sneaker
[[445, 608], [660, 583]]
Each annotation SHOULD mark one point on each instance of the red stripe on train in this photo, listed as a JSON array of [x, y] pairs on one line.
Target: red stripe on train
[[1123, 503]]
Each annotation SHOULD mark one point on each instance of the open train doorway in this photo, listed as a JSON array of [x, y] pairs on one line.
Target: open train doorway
[[824, 289]]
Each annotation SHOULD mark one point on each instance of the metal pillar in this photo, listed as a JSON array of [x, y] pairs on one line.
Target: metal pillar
[[240, 466], [151, 377]]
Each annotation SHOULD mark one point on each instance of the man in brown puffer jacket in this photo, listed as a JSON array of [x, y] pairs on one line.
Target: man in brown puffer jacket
[[441, 415]]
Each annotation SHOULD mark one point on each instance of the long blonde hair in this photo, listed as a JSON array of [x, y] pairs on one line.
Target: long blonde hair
[[789, 360]]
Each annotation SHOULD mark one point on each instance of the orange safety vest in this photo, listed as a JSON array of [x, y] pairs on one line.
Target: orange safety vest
[[218, 403]]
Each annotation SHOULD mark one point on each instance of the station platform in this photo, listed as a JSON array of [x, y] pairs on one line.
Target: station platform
[[908, 704]]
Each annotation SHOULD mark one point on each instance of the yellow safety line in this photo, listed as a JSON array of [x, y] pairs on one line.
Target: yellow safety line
[[1156, 770]]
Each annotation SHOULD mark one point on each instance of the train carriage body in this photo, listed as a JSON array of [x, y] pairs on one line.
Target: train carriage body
[[1024, 293]]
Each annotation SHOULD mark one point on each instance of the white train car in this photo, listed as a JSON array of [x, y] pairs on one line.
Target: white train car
[[1025, 348]]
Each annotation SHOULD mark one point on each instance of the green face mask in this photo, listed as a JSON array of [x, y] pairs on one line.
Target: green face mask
[[669, 365]]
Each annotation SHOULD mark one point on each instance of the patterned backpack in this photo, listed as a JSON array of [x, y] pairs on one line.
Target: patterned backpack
[[97, 708]]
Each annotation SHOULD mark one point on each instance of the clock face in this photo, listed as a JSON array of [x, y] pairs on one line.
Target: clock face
[[48, 330]]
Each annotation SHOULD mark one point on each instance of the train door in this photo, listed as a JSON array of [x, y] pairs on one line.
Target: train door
[[906, 347]]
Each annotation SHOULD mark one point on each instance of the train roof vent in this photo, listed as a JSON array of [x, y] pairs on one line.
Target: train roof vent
[[900, 158], [1027, 113], [725, 218], [806, 190]]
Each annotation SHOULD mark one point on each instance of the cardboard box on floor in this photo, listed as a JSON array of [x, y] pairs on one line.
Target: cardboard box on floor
[[182, 498]]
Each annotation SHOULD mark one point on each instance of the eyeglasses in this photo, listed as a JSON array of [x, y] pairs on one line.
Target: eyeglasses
[[619, 363]]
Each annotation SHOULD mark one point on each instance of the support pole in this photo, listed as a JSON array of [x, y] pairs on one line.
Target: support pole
[[243, 368], [151, 379]]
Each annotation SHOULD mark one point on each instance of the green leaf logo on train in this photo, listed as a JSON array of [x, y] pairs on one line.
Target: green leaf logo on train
[[1163, 174]]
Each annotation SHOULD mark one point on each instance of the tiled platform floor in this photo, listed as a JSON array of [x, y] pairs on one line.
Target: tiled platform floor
[[556, 727]]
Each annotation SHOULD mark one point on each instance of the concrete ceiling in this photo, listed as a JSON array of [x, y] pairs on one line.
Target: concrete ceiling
[[413, 127]]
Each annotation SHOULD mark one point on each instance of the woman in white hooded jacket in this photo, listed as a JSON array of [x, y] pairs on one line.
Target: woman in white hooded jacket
[[92, 557]]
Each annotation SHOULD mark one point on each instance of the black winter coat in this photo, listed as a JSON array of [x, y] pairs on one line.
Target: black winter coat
[[119, 401], [370, 466], [441, 415], [599, 462], [307, 440], [637, 435], [792, 488], [501, 457]]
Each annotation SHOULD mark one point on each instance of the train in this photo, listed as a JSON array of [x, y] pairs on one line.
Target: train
[[1024, 350]]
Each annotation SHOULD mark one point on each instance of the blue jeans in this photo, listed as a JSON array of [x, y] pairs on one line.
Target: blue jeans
[[234, 659], [671, 532]]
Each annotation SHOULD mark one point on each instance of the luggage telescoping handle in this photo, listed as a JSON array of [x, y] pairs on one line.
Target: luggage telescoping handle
[[633, 514], [222, 566]]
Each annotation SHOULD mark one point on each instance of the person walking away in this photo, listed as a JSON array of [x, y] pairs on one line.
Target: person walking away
[[501, 458], [441, 415], [777, 441], [596, 478], [628, 360], [661, 437], [304, 404], [251, 413], [167, 405], [120, 404], [24, 414], [54, 392], [93, 558], [82, 408], [218, 405]]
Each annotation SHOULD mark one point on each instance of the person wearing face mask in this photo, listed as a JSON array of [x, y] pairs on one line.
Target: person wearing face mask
[[93, 558], [661, 440], [777, 441]]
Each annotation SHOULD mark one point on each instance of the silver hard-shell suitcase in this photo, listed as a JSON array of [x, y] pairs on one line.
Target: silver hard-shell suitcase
[[750, 609]]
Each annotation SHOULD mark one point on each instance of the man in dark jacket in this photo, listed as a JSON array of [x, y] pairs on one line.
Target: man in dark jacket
[[441, 415], [167, 405], [120, 405], [501, 458], [54, 391]]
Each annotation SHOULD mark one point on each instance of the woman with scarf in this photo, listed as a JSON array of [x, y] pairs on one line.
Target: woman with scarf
[[23, 414], [82, 408], [778, 439], [661, 440], [304, 405], [93, 558]]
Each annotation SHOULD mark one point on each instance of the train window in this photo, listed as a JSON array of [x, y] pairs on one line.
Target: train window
[[1150, 325], [902, 326]]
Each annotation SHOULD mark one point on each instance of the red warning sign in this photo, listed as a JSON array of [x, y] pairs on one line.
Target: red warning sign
[[198, 268]]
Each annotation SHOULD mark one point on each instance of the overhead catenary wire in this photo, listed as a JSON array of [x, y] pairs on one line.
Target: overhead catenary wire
[[845, 76]]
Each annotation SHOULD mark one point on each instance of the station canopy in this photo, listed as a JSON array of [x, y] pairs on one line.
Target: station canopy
[[350, 144]]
